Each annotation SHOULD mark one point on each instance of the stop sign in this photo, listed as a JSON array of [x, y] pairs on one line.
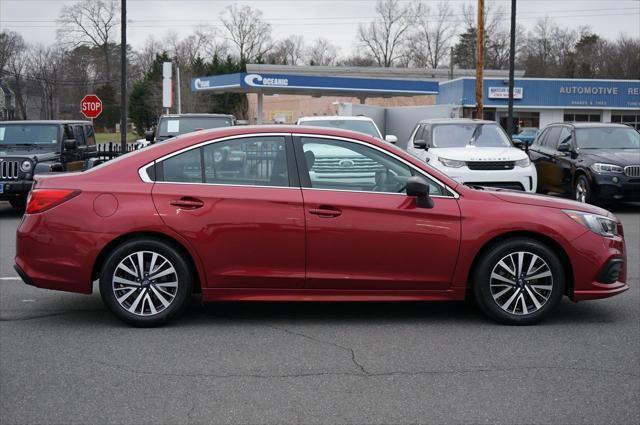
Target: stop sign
[[91, 106]]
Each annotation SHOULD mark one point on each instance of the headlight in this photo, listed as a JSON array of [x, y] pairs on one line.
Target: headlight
[[523, 162], [26, 166], [606, 168], [597, 223], [453, 163]]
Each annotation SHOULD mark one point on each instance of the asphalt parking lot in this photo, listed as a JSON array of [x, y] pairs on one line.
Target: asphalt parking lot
[[65, 359]]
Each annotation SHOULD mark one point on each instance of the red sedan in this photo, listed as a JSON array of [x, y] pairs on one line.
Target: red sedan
[[307, 214]]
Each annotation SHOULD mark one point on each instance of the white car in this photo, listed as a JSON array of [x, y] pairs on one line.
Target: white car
[[360, 124], [474, 152]]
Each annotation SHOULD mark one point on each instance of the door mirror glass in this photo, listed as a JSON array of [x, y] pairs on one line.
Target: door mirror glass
[[420, 144], [149, 136], [419, 188], [391, 138], [564, 147]]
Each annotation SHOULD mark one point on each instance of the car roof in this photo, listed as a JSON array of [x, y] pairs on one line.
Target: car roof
[[455, 121], [47, 122], [196, 115], [335, 117], [591, 124]]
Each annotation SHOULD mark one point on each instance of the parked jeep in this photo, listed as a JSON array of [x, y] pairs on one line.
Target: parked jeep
[[28, 148]]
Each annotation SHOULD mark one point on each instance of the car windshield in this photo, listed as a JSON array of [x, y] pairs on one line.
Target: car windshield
[[608, 138], [181, 125], [29, 134], [461, 135], [361, 126]]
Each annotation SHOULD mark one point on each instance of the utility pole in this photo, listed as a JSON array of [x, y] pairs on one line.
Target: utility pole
[[178, 93], [512, 59], [479, 59], [123, 76]]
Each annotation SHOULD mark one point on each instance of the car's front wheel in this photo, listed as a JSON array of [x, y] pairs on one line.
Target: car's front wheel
[[519, 281], [146, 282], [582, 190]]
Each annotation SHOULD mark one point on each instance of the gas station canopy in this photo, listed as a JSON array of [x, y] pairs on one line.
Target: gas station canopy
[[312, 85]]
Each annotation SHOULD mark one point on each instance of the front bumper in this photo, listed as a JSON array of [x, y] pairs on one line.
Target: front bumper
[[524, 178], [12, 189], [592, 263], [616, 187]]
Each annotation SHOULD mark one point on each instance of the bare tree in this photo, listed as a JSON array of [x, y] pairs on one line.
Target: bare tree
[[17, 66], [45, 64], [90, 23], [435, 29], [250, 34], [289, 51], [322, 53], [384, 38], [11, 43]]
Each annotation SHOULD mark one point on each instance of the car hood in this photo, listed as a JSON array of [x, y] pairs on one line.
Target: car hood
[[26, 152], [532, 199], [613, 156], [474, 153]]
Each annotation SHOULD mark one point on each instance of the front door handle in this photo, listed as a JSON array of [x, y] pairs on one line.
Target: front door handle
[[187, 203], [326, 211]]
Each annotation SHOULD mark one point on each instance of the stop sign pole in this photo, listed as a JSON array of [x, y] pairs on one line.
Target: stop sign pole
[[91, 106]]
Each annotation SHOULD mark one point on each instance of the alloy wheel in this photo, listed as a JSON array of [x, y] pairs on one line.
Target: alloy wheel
[[145, 283], [521, 283], [581, 191]]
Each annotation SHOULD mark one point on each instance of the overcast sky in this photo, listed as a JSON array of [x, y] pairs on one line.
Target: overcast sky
[[336, 20]]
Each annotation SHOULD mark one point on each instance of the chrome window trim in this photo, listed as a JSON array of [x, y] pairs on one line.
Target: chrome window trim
[[454, 194], [142, 171]]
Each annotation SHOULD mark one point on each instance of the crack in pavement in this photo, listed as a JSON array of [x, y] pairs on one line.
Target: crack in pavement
[[126, 369], [42, 316]]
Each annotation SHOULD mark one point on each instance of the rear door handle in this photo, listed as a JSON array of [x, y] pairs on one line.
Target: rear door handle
[[187, 203], [325, 211]]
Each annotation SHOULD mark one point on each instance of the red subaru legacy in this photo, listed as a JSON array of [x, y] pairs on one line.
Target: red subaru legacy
[[307, 214]]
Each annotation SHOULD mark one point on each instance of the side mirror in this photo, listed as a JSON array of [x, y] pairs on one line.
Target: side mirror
[[564, 147], [420, 144], [519, 143], [148, 135], [419, 188], [391, 139], [70, 145]]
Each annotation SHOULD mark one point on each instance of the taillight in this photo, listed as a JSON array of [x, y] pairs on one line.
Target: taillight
[[43, 199]]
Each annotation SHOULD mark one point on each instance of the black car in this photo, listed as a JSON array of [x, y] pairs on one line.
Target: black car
[[28, 148], [593, 162], [173, 125]]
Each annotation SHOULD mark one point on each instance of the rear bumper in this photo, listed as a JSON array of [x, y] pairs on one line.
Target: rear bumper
[[60, 260]]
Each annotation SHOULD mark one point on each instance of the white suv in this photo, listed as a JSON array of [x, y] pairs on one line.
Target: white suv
[[360, 124], [474, 152]]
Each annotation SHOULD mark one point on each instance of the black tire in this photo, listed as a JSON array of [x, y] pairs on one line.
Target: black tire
[[181, 292], [19, 204], [582, 190], [486, 287]]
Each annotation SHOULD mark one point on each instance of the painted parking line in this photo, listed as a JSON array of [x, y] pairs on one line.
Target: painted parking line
[[10, 278]]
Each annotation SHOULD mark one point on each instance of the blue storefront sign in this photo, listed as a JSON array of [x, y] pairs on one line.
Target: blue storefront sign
[[546, 93], [300, 83]]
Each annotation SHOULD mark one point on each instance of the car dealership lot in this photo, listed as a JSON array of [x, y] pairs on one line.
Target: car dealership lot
[[65, 359]]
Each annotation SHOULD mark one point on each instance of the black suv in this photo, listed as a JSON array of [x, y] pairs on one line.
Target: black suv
[[594, 162], [28, 148], [176, 124]]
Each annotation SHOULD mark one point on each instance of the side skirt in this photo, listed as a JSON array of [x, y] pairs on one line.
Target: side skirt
[[328, 295]]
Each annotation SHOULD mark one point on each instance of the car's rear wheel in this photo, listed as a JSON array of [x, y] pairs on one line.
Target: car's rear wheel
[[582, 190], [145, 282], [519, 281]]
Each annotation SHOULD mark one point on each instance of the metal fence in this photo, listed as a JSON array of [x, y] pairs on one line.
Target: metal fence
[[107, 151]]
